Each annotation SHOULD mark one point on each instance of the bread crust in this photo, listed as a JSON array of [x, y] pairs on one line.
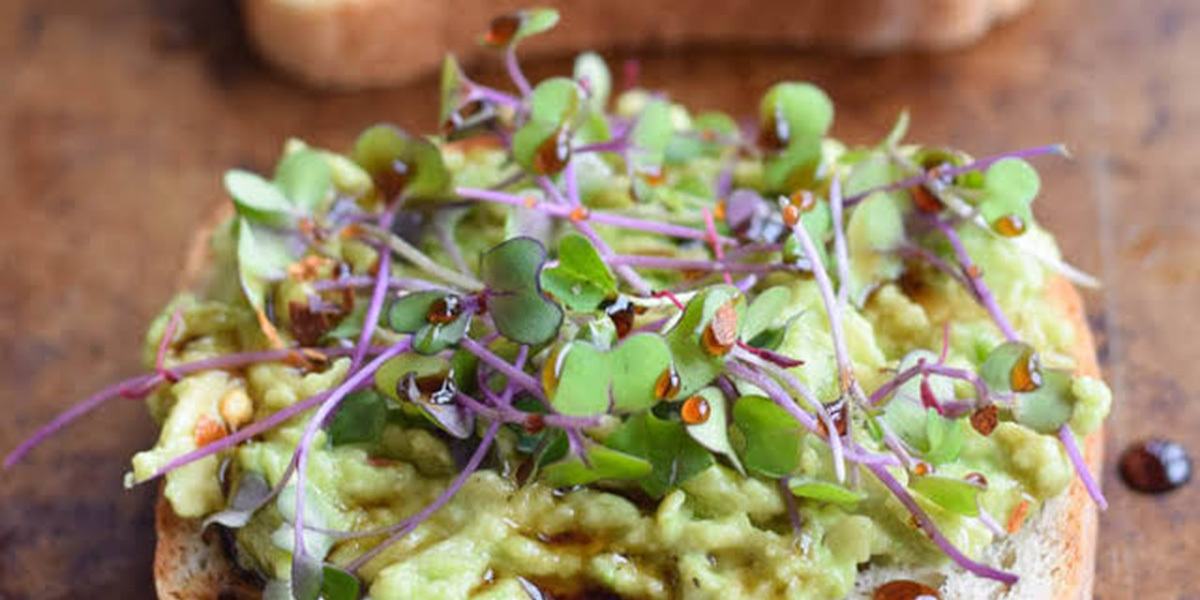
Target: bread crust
[[192, 565], [372, 43]]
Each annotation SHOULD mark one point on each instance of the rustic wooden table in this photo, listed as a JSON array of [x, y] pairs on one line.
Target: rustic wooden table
[[119, 116]]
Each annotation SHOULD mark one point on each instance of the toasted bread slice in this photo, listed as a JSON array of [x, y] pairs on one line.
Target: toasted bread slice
[[370, 43], [1054, 552]]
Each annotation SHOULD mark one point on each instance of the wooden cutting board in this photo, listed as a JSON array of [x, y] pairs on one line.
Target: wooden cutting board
[[119, 117]]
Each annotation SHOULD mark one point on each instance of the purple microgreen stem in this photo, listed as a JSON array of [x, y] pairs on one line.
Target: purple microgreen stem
[[978, 288], [930, 528], [789, 502], [515, 375], [841, 354], [514, 71], [168, 338], [562, 211], [937, 262], [418, 259], [840, 255], [371, 319], [683, 264], [801, 390], [484, 93], [138, 387], [771, 356], [118, 390], [710, 228], [403, 528], [635, 281], [758, 379], [618, 145], [922, 368], [318, 419], [1089, 483], [947, 173], [508, 414], [988, 521], [362, 281]]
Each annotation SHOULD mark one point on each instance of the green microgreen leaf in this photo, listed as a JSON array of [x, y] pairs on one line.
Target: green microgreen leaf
[[391, 373], [256, 198], [512, 271], [945, 437], [305, 178], [252, 492], [307, 576], [401, 164], [874, 230], [955, 495], [793, 169], [997, 368], [582, 377], [556, 100], [262, 259], [507, 30], [635, 366], [1009, 186], [581, 280], [769, 437], [410, 314], [713, 434], [695, 365], [359, 419], [801, 109], [674, 457], [1049, 407], [453, 90], [823, 491], [593, 74], [898, 131], [606, 463], [338, 584], [766, 311], [650, 136]]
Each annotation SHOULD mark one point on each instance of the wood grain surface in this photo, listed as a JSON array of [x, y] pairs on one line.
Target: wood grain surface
[[118, 117]]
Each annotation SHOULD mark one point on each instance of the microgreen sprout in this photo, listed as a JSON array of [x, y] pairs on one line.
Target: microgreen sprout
[[575, 336]]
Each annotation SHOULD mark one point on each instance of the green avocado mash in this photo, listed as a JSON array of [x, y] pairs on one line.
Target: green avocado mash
[[692, 468]]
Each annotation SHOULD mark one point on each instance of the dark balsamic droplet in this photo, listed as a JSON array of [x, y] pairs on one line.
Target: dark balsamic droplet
[[1155, 466], [985, 419], [695, 411], [444, 310], [503, 29], [622, 313], [905, 589]]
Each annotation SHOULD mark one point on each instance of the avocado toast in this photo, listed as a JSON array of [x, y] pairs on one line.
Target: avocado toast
[[644, 352]]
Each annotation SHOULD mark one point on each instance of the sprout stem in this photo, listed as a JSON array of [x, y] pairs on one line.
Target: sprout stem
[[628, 274], [1089, 482], [602, 218], [362, 281], [930, 529], [683, 264], [789, 501], [950, 172], [515, 375], [975, 277], [840, 255], [314, 424], [789, 380], [514, 71], [168, 336], [373, 308], [401, 529], [423, 262], [937, 262]]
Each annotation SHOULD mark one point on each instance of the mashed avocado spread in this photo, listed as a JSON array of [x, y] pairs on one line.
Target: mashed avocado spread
[[647, 352]]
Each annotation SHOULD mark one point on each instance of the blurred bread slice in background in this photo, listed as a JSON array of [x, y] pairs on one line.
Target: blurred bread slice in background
[[349, 44]]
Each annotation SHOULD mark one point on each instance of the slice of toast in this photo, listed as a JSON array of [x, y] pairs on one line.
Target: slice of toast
[[371, 43], [1054, 551]]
